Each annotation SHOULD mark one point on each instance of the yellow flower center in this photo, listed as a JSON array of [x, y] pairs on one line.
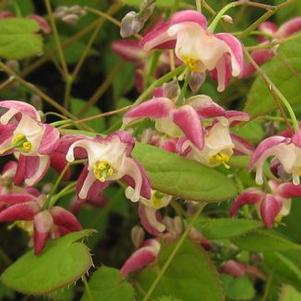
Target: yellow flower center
[[19, 141], [157, 200], [193, 64], [220, 158], [102, 170]]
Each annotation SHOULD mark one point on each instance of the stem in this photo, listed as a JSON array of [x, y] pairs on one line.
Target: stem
[[55, 186], [198, 4], [275, 92], [37, 91], [181, 98], [101, 89], [57, 39], [68, 189], [268, 286], [68, 87], [87, 287], [173, 253], [101, 21], [165, 78]]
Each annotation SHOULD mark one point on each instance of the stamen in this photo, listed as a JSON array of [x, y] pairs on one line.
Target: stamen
[[193, 64], [220, 158], [20, 142], [102, 170]]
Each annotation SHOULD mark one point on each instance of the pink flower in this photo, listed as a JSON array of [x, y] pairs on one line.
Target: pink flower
[[31, 141], [199, 49], [285, 150], [109, 159], [148, 210], [142, 257], [261, 56], [53, 222], [271, 206]]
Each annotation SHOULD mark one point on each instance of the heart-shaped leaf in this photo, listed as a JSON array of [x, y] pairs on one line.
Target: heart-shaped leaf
[[188, 179], [19, 38], [61, 263], [107, 284]]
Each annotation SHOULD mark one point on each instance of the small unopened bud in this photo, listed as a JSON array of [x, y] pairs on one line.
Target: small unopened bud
[[37, 102], [137, 235], [170, 90], [47, 188], [196, 80], [147, 9], [69, 15], [130, 24], [227, 19]]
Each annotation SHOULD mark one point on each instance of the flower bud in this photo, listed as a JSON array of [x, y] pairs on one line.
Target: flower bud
[[137, 235], [130, 24]]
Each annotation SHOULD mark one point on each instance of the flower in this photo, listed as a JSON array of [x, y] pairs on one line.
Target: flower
[[148, 210], [31, 141], [195, 46], [286, 150], [53, 222], [109, 159], [261, 56], [271, 206], [143, 256]]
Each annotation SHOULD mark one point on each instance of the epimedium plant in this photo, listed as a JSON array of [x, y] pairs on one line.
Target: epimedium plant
[[178, 179]]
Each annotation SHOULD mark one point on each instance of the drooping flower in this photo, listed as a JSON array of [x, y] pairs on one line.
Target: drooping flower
[[109, 159], [31, 141], [199, 49], [286, 150], [45, 223], [273, 205], [142, 257], [148, 210], [261, 56]]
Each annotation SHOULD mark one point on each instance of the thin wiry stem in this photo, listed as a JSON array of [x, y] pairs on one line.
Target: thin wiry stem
[[173, 253]]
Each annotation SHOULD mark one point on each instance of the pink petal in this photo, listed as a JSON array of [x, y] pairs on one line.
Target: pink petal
[[64, 218], [22, 107], [236, 117], [44, 26], [288, 190], [50, 140], [9, 169], [264, 148], [289, 28], [206, 107], [154, 109], [124, 137], [150, 219], [222, 72], [6, 15], [296, 138], [58, 162], [15, 197], [236, 53], [267, 27], [129, 50], [157, 37], [136, 177], [43, 223], [6, 134], [260, 56], [269, 209], [188, 121], [242, 146], [189, 16], [249, 197], [144, 256], [233, 268], [22, 211]]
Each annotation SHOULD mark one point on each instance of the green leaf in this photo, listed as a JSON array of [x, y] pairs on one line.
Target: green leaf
[[288, 293], [62, 262], [264, 241], [220, 228], [288, 268], [107, 284], [238, 288], [260, 100], [251, 131], [188, 179], [96, 124], [19, 38], [190, 276]]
